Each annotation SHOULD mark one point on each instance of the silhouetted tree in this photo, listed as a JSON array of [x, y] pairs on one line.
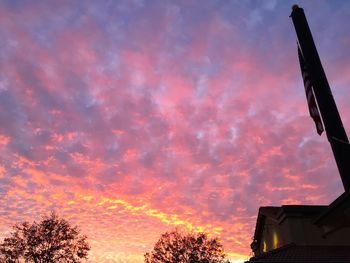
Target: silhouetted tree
[[177, 247], [51, 240]]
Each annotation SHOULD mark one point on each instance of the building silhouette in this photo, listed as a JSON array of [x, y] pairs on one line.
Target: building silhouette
[[303, 233]]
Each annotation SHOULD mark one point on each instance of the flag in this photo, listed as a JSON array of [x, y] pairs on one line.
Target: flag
[[310, 96]]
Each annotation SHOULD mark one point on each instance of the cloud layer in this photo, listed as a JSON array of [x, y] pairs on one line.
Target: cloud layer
[[131, 118]]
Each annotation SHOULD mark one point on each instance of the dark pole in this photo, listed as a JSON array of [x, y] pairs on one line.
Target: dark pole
[[333, 124]]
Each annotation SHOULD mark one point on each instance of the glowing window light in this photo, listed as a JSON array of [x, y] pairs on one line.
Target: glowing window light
[[275, 240]]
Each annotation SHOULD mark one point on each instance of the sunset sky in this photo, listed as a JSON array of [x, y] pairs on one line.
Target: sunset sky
[[131, 118]]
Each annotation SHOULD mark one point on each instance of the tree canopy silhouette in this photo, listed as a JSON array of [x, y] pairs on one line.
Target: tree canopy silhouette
[[51, 240], [177, 247]]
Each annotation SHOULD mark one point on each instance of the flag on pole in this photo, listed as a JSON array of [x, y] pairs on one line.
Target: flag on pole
[[310, 96]]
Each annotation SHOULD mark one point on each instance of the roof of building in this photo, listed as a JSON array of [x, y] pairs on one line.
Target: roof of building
[[294, 253], [278, 214], [337, 215]]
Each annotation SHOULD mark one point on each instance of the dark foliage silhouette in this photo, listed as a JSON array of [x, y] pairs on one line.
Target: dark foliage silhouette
[[177, 247], [51, 240]]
